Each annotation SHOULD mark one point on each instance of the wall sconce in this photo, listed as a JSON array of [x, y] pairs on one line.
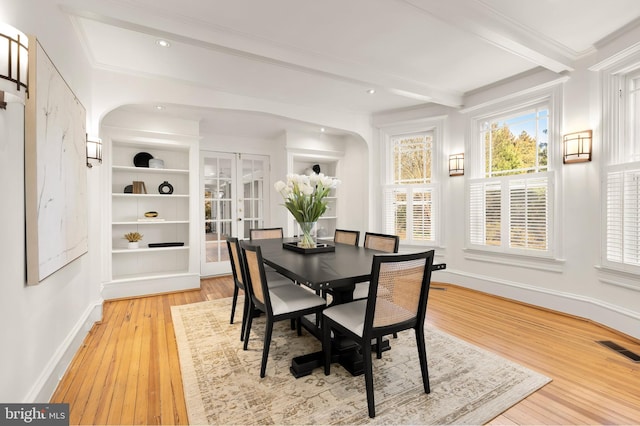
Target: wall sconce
[[94, 150], [576, 147], [14, 52], [456, 164]]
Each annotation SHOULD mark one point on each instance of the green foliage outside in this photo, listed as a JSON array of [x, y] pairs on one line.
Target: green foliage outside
[[508, 154]]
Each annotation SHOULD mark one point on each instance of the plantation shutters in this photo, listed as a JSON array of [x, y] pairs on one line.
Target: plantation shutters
[[409, 212], [511, 212], [623, 217]]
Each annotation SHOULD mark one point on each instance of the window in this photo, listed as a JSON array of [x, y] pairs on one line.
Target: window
[[410, 192], [510, 194], [621, 183]]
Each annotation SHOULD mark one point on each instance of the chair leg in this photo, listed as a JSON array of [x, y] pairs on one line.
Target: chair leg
[[233, 303], [326, 346], [267, 342], [248, 329], [299, 326], [422, 356], [368, 376], [245, 315], [293, 323]]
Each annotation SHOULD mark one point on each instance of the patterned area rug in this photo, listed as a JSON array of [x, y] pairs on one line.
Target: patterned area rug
[[222, 382]]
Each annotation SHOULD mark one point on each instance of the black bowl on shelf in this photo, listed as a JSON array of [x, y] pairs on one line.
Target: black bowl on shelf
[[141, 159]]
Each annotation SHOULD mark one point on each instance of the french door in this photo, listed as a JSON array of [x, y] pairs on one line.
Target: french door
[[233, 202]]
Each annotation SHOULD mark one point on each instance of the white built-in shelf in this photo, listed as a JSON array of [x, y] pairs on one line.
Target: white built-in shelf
[[151, 222], [146, 277], [148, 250], [147, 270], [148, 170], [125, 194]]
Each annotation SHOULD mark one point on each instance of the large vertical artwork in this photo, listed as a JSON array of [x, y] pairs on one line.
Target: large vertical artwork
[[55, 170]]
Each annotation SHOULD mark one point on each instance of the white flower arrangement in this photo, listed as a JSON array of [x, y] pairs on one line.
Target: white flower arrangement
[[304, 196]]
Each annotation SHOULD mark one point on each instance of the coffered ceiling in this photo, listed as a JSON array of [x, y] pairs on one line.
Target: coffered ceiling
[[330, 53]]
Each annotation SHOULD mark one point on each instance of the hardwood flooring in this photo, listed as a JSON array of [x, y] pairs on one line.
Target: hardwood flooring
[[127, 370]]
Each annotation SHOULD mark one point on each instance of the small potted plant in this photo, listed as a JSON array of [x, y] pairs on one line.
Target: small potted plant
[[134, 239]]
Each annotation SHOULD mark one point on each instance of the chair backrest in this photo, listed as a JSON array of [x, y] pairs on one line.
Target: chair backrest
[[398, 291], [237, 267], [256, 283], [343, 236], [381, 242], [265, 233]]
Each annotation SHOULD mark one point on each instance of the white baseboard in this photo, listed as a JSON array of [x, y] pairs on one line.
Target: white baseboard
[[607, 314], [45, 386]]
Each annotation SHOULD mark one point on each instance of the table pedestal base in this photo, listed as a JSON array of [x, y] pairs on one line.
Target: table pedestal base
[[344, 352]]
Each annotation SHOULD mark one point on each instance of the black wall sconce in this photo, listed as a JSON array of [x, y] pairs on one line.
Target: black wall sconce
[[456, 164], [576, 147], [14, 54], [94, 151]]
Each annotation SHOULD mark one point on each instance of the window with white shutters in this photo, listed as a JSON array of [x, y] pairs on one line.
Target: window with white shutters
[[510, 194], [621, 175], [511, 213], [623, 215], [410, 194]]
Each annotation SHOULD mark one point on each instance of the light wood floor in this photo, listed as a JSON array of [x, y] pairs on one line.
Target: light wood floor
[[127, 370]]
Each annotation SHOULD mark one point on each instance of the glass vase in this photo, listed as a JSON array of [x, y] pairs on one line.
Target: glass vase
[[307, 232]]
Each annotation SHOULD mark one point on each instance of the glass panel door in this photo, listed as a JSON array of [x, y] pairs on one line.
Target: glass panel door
[[233, 201], [253, 172]]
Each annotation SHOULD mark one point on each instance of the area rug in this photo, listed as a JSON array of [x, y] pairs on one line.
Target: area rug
[[222, 383]]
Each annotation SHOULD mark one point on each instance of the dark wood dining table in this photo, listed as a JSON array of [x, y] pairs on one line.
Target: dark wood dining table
[[338, 270]]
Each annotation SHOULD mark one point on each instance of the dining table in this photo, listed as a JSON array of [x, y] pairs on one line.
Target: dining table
[[334, 267]]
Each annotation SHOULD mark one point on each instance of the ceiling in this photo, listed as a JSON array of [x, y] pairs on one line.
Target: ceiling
[[330, 53]]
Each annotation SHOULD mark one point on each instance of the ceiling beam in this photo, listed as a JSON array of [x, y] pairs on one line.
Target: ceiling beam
[[477, 18]]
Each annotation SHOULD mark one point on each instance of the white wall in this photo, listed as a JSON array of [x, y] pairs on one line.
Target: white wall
[[43, 325], [574, 284]]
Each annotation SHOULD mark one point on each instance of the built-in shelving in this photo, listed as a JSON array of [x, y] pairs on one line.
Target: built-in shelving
[[148, 270]]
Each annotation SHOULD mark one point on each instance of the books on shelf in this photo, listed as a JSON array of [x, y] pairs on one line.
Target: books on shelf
[[139, 187]]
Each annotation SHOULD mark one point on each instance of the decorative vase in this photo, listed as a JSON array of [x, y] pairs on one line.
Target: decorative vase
[[134, 244], [307, 232]]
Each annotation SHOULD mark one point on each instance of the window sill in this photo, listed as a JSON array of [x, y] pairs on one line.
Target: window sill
[[618, 278], [522, 261]]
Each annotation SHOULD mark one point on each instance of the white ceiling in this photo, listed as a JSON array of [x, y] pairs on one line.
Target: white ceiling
[[329, 53]]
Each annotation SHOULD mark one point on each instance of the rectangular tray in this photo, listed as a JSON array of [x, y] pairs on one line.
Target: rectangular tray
[[152, 245], [322, 248]]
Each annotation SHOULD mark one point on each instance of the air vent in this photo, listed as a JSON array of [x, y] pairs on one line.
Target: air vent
[[621, 350]]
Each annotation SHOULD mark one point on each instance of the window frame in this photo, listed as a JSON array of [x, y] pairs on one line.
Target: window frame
[[434, 126], [551, 96], [619, 156]]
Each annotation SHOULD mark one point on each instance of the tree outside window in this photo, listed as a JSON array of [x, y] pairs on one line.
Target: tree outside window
[[409, 197], [510, 206]]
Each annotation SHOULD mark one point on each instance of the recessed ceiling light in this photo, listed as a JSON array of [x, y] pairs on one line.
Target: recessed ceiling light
[[163, 43], [322, 129], [371, 91], [160, 107]]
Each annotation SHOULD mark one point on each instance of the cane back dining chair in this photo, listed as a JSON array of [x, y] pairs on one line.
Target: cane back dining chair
[[406, 279], [265, 233], [344, 236], [381, 242], [239, 278], [284, 302]]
